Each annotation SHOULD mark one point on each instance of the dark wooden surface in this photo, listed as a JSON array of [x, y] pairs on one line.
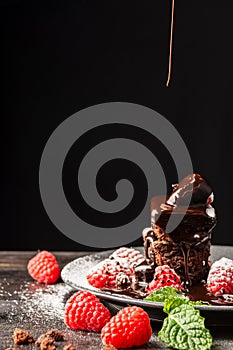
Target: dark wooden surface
[[37, 308]]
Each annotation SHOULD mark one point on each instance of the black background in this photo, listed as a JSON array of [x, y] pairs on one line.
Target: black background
[[62, 56]]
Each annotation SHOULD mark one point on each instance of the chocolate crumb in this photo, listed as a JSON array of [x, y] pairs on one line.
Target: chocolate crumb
[[21, 336], [47, 344], [53, 335], [69, 347]]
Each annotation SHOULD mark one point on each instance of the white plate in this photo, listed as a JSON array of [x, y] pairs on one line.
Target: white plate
[[74, 274]]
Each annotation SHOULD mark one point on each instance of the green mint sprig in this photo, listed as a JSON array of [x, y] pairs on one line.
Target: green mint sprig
[[184, 327], [164, 293]]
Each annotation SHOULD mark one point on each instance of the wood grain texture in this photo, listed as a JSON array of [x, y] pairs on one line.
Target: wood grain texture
[[37, 308]]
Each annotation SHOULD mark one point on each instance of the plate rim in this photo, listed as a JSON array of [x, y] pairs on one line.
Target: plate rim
[[122, 299]]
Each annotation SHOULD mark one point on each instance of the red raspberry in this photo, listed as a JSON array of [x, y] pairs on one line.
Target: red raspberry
[[104, 274], [164, 276], [43, 267], [83, 310], [129, 327], [220, 277], [133, 256]]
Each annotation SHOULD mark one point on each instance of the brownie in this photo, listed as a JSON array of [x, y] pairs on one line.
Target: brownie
[[186, 248]]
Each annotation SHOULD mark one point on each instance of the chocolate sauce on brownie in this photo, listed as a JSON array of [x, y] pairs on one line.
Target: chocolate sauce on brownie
[[199, 218], [189, 204]]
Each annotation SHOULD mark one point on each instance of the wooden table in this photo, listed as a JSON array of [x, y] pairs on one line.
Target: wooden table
[[37, 308]]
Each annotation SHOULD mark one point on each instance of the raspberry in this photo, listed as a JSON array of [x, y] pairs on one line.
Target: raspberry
[[133, 256], [104, 274], [220, 277], [164, 276], [129, 327], [83, 310], [43, 267]]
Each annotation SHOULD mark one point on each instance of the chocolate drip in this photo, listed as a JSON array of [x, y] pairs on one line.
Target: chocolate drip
[[198, 292], [194, 185], [186, 248]]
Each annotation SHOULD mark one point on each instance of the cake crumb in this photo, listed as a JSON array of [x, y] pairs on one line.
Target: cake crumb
[[21, 336], [52, 335], [55, 334], [47, 344], [108, 347], [69, 347]]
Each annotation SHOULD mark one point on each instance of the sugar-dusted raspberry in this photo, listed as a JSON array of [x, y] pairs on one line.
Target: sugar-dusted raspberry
[[83, 310], [220, 277], [132, 256], [164, 276], [104, 274], [129, 327], [122, 261], [44, 268]]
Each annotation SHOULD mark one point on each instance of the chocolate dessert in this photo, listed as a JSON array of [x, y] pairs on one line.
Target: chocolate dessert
[[186, 248], [175, 256]]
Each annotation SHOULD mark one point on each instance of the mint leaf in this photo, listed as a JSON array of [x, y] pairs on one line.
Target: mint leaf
[[173, 302], [163, 293], [199, 302], [184, 327]]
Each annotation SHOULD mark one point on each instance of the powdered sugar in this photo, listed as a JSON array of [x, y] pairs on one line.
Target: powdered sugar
[[33, 303]]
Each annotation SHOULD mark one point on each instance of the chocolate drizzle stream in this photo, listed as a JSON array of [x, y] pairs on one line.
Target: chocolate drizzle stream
[[170, 46]]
